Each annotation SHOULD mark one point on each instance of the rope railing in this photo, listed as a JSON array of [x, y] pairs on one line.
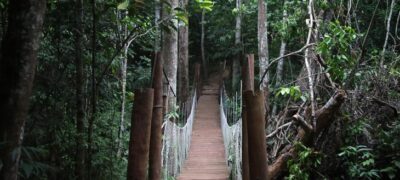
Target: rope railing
[[232, 134], [176, 143]]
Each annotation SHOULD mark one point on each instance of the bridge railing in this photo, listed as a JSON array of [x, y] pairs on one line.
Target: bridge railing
[[176, 142], [231, 124]]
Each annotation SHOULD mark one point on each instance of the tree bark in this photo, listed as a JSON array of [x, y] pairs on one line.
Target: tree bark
[[263, 42], [279, 68], [387, 35], [183, 58], [80, 115], [203, 53], [18, 61], [139, 142], [238, 42], [94, 92], [279, 73], [124, 67], [324, 118], [155, 157], [170, 52], [157, 18]]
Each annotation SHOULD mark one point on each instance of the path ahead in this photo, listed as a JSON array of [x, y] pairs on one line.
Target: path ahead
[[207, 154]]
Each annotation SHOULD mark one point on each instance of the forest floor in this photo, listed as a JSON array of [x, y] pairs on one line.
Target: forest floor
[[207, 153]]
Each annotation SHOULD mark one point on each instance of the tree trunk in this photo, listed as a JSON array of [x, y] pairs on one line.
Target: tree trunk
[[279, 68], [387, 35], [279, 73], [263, 43], [94, 92], [203, 53], [124, 66], [80, 127], [157, 18], [17, 71], [236, 59], [170, 53], [183, 67]]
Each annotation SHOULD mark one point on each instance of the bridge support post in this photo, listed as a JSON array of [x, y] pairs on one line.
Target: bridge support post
[[139, 142], [256, 134], [248, 85], [155, 157]]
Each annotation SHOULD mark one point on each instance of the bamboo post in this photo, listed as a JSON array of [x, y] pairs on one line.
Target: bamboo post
[[139, 142], [155, 157], [248, 85], [256, 134]]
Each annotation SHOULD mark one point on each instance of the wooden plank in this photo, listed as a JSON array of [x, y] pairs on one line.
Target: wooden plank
[[207, 152]]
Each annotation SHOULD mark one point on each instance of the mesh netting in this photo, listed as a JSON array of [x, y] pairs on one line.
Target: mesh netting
[[233, 142], [176, 144]]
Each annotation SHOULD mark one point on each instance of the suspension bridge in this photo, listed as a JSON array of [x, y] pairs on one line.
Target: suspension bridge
[[207, 146]]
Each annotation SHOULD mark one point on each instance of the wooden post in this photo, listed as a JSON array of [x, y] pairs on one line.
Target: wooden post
[[256, 134], [248, 85], [139, 142], [165, 97], [155, 157]]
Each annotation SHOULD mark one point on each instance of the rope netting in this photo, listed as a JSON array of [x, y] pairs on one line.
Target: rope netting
[[230, 111], [176, 143]]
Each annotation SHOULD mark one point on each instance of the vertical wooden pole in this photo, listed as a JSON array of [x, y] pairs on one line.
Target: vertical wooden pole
[[248, 85], [139, 142], [256, 134], [156, 122]]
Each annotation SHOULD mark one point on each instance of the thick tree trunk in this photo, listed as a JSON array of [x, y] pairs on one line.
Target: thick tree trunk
[[80, 127], [170, 53], [236, 59], [157, 18], [203, 53], [263, 43], [94, 92], [183, 58], [17, 71], [139, 142]]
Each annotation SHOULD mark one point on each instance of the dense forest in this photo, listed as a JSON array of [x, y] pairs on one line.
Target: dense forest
[[314, 86]]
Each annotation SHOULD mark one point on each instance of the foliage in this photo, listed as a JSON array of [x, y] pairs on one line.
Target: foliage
[[205, 4], [304, 164], [359, 161], [334, 47], [173, 113], [389, 150], [292, 91]]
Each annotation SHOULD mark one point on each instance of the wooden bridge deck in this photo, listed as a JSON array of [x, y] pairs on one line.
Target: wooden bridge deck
[[207, 154]]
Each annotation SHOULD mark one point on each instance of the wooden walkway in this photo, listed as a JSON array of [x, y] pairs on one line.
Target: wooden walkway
[[207, 154]]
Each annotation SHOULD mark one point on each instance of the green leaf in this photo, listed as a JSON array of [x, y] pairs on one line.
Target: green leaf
[[123, 6], [182, 16]]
